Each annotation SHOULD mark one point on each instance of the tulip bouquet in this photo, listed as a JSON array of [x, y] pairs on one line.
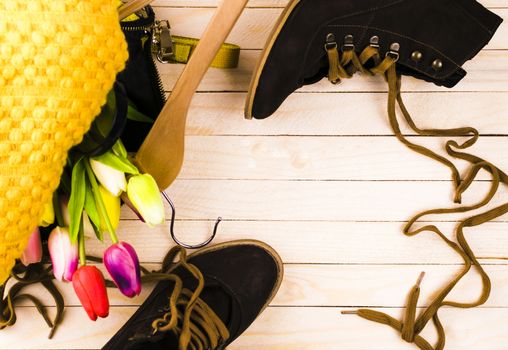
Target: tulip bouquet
[[87, 203]]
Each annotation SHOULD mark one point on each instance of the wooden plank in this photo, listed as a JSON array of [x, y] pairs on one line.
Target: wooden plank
[[274, 3], [255, 25], [321, 242], [382, 285], [315, 200], [322, 158], [344, 286], [326, 328], [487, 72], [347, 114], [213, 3], [277, 328]]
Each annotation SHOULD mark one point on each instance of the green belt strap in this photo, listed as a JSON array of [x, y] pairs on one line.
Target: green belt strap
[[183, 47]]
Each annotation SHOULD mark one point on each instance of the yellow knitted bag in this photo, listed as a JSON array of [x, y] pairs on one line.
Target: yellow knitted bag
[[58, 60]]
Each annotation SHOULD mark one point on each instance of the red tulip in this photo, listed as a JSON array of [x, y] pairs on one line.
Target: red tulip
[[90, 288], [122, 263]]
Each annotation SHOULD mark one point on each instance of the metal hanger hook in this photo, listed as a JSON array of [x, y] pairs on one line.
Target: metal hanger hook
[[172, 226]]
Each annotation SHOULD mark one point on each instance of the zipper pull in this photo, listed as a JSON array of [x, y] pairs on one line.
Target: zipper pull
[[161, 38]]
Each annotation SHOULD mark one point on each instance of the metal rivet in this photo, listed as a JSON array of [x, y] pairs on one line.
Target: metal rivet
[[416, 56], [437, 64], [395, 47]]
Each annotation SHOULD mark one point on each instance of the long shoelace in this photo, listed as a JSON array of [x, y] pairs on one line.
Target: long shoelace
[[194, 323], [344, 65], [25, 276]]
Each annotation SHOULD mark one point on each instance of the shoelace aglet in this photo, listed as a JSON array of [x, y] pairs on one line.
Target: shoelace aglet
[[349, 312], [420, 278]]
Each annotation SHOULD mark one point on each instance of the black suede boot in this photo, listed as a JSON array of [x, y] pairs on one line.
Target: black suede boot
[[204, 301], [431, 38]]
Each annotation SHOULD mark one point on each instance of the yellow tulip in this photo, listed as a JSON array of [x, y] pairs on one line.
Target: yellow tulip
[[146, 198], [112, 205]]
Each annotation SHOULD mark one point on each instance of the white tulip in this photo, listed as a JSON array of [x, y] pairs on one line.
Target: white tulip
[[113, 180]]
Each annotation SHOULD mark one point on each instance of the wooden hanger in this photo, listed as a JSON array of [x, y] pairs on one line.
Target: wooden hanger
[[162, 152], [132, 6]]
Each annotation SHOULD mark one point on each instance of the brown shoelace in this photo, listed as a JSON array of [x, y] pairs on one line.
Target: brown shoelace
[[188, 317], [343, 65], [25, 276], [194, 323]]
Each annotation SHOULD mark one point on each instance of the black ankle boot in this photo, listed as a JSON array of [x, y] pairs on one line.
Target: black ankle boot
[[204, 301], [430, 38]]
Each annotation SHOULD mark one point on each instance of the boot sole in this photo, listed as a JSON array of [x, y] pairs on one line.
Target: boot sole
[[264, 56], [251, 242]]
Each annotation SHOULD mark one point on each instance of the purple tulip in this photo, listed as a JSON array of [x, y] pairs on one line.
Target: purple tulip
[[122, 263], [64, 254]]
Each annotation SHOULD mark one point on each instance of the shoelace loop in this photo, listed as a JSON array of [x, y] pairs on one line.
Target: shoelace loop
[[25, 276], [194, 323], [369, 61]]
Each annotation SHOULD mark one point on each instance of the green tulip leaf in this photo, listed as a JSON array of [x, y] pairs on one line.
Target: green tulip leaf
[[77, 199], [92, 211], [98, 232], [119, 163], [119, 149], [135, 115]]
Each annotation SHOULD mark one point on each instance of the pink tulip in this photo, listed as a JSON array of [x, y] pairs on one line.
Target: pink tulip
[[64, 254], [33, 251], [122, 263]]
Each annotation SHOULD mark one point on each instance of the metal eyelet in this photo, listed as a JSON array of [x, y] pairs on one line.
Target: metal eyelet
[[374, 42], [394, 51], [348, 43], [330, 42]]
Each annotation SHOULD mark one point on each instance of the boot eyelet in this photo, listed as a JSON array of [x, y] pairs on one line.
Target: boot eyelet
[[348, 43], [374, 42], [330, 42], [394, 51]]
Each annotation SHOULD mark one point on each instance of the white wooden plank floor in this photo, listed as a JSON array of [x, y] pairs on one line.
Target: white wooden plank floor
[[328, 186]]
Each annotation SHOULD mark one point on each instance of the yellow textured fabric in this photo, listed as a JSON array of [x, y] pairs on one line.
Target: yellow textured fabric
[[58, 60]]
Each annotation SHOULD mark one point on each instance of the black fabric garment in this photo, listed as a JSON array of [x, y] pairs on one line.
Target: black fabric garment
[[452, 31], [140, 78]]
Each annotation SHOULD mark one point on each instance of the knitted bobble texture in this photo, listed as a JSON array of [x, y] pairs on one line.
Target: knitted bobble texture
[[58, 60]]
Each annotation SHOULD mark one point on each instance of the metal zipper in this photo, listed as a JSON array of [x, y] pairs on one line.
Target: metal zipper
[[149, 30], [161, 38]]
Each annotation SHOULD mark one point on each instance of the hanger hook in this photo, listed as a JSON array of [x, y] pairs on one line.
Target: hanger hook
[[172, 225]]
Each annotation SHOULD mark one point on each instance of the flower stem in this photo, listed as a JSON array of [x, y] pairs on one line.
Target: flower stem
[[99, 201], [81, 245]]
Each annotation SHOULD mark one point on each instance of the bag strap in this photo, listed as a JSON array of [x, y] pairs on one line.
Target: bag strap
[[227, 56], [161, 154]]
